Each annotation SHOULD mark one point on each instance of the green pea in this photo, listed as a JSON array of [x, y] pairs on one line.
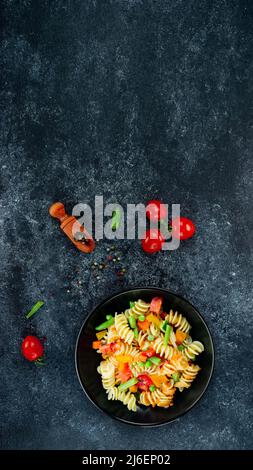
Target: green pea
[[141, 364], [176, 377], [151, 338]]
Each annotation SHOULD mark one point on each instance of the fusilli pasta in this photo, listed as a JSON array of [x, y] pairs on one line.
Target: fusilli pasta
[[145, 358], [122, 328], [176, 319]]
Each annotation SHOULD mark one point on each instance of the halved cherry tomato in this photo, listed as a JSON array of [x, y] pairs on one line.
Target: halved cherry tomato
[[149, 353], [142, 357], [153, 241], [156, 210], [32, 348], [144, 382], [182, 228], [109, 349], [143, 325], [124, 373], [156, 304]]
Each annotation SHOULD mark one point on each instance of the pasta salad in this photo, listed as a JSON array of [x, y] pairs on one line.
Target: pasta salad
[[147, 354]]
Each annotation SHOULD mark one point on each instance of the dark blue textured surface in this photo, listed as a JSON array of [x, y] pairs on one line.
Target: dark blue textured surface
[[128, 99]]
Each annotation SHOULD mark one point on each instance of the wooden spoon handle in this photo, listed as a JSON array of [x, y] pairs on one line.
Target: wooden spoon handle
[[57, 210]]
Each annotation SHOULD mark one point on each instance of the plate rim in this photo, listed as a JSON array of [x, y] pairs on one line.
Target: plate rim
[[117, 418]]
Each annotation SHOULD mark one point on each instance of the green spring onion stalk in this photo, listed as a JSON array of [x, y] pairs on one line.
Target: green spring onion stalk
[[116, 219], [108, 317], [141, 364], [155, 360], [105, 325], [164, 324], [152, 388], [35, 308], [176, 376], [128, 384], [167, 335], [151, 338], [132, 322], [180, 347], [142, 318], [132, 304], [136, 332]]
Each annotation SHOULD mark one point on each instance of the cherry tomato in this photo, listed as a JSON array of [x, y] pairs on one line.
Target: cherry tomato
[[144, 382], [32, 348], [149, 353], [125, 373], [156, 210], [156, 304], [183, 228], [109, 349], [153, 241]]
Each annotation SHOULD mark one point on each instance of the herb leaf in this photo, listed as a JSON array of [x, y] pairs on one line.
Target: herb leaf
[[35, 308], [116, 219]]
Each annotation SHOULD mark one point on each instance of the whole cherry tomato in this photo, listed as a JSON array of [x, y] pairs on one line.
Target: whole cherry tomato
[[156, 210], [153, 241], [144, 382], [183, 228], [32, 348]]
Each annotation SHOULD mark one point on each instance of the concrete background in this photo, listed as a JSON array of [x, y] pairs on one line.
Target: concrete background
[[131, 100]]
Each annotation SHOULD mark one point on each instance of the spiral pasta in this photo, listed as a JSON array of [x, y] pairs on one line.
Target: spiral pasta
[[111, 334], [154, 330], [142, 340], [107, 371], [193, 349], [188, 376], [179, 361], [166, 351], [157, 398], [122, 328], [128, 350], [167, 387], [127, 399], [146, 358], [138, 369], [168, 369], [140, 308], [176, 319]]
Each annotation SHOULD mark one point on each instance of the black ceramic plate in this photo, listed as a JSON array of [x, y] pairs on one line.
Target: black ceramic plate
[[87, 360]]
